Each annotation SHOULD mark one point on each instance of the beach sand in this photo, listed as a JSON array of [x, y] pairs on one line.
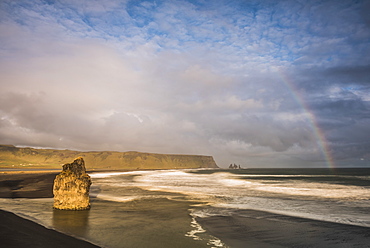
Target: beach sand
[[243, 228], [16, 232], [27, 184]]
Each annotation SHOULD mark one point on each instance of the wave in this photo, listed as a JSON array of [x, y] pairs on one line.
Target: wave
[[333, 202]]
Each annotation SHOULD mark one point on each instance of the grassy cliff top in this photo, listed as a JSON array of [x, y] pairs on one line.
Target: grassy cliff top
[[32, 158]]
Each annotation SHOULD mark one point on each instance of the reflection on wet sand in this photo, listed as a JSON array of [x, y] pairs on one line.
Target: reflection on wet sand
[[71, 222]]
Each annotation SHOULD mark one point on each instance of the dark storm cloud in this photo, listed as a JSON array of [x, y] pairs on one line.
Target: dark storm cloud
[[351, 75]]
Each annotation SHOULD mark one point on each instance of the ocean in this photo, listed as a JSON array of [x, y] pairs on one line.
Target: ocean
[[162, 208]]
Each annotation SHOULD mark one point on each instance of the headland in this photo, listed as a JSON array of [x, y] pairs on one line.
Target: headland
[[12, 157]]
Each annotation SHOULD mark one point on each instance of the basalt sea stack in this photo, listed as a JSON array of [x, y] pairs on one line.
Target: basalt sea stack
[[72, 186]]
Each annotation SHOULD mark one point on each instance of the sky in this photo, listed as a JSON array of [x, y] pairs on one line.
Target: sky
[[258, 83]]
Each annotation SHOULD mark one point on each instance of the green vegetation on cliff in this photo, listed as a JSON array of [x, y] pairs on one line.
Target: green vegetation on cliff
[[27, 158]]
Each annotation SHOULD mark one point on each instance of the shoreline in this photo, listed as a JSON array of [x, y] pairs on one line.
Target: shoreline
[[252, 228], [19, 232], [239, 228], [27, 185]]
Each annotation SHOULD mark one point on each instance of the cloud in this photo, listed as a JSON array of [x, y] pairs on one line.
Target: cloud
[[187, 77]]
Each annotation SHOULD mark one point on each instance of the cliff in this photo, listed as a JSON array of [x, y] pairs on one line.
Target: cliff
[[27, 158]]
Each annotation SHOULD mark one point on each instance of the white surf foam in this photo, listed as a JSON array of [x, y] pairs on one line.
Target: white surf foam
[[329, 202]]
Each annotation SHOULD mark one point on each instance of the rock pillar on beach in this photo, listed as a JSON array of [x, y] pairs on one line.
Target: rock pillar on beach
[[71, 187]]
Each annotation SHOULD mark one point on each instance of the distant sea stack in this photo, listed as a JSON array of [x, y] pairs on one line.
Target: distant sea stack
[[72, 186]]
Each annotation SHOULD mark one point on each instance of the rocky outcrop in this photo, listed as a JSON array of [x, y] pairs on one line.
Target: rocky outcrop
[[71, 187]]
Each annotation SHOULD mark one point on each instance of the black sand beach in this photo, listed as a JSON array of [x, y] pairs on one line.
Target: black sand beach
[[243, 228], [26, 184], [18, 232]]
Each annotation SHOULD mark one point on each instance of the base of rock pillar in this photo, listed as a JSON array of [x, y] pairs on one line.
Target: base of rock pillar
[[72, 209]]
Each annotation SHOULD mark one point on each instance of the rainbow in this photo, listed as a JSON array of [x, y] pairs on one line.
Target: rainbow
[[319, 135]]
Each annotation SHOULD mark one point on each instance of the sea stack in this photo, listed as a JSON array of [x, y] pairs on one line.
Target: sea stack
[[71, 187]]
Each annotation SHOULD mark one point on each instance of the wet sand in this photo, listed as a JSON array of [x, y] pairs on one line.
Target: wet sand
[[250, 228], [18, 232], [27, 184]]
